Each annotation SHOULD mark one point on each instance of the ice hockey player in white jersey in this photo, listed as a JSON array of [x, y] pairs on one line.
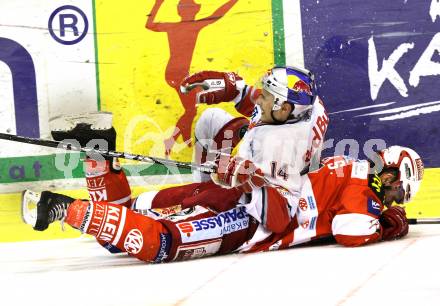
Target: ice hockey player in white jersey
[[287, 126], [285, 133]]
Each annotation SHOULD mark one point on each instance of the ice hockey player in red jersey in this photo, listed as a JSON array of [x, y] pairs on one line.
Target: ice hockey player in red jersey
[[346, 199], [341, 199]]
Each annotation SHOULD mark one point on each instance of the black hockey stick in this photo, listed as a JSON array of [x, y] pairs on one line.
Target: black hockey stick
[[73, 147], [424, 221]]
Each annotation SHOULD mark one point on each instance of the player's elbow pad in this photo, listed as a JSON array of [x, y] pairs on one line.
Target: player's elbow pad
[[355, 229]]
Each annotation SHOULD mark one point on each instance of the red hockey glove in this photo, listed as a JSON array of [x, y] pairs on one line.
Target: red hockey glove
[[217, 86], [394, 223], [235, 172]]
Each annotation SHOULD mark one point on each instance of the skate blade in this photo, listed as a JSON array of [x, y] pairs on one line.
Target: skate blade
[[29, 200], [98, 120]]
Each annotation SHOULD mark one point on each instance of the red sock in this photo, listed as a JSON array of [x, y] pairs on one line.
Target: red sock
[[140, 236], [106, 184]]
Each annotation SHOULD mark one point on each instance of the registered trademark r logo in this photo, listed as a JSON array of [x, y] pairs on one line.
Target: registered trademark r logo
[[68, 25]]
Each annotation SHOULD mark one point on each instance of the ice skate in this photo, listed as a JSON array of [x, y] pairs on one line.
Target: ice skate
[[41, 209], [97, 120], [84, 128]]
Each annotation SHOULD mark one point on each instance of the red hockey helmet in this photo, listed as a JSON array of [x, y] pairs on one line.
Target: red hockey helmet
[[410, 167]]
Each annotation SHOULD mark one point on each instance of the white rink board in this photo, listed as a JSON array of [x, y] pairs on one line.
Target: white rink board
[[80, 272], [65, 74]]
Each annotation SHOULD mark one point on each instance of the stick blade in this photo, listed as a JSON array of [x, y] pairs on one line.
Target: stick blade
[[424, 221]]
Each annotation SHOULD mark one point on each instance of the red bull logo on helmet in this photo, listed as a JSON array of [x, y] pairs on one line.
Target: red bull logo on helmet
[[302, 86], [298, 85]]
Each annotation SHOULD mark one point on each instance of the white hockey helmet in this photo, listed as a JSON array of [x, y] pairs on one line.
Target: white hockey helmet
[[293, 85], [410, 167]]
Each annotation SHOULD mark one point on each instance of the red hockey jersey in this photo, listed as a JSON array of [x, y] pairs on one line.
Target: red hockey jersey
[[341, 199]]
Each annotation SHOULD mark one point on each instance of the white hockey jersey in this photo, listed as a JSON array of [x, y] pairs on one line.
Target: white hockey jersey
[[285, 151]]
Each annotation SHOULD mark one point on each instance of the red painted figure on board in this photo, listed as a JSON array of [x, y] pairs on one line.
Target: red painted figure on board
[[182, 38]]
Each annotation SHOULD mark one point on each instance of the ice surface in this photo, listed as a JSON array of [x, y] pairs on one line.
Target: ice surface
[[80, 272]]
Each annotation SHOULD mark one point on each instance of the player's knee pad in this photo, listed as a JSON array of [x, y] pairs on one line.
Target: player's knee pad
[[174, 195], [154, 203], [157, 204], [216, 131], [231, 134], [210, 123], [107, 182]]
